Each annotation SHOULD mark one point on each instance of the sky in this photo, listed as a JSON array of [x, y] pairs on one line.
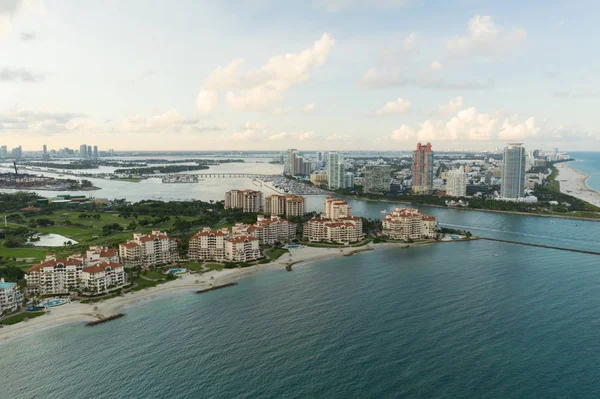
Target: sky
[[312, 75]]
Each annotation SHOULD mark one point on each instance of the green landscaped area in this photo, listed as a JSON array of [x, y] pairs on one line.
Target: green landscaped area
[[20, 317], [275, 253], [327, 245]]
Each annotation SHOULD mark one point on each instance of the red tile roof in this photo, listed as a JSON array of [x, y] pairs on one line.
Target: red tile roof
[[101, 267]]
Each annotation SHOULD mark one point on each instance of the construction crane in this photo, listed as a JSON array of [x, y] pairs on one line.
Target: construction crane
[[16, 173]]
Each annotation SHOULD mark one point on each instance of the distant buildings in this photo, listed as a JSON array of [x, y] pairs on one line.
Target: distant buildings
[[336, 224], [247, 200], [17, 153], [296, 164], [336, 172], [422, 169], [318, 178], [408, 224], [3, 152], [377, 179], [10, 297], [456, 183], [149, 250], [513, 171], [97, 270], [288, 205], [83, 151], [87, 151]]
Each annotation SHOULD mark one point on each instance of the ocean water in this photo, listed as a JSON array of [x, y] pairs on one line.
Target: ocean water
[[471, 319], [588, 163]]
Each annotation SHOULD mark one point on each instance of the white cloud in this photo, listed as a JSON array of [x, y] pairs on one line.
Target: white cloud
[[309, 107], [436, 66], [400, 106], [337, 137], [257, 90], [469, 125], [292, 136], [485, 39], [207, 101], [168, 122], [453, 106], [255, 125], [41, 121]]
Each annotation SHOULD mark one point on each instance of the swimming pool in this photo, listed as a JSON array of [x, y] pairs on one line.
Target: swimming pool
[[177, 271], [293, 246], [54, 302]]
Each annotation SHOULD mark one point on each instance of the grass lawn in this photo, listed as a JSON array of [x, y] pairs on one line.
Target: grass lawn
[[141, 284], [29, 252], [214, 266], [275, 253], [19, 317], [196, 267], [154, 274]]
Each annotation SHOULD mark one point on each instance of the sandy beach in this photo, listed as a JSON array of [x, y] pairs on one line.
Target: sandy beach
[[78, 312], [573, 182]]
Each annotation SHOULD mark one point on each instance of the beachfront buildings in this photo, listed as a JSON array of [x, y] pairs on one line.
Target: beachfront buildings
[[149, 250], [456, 183], [10, 297], [247, 200], [74, 273], [208, 245], [408, 224], [377, 179], [270, 230], [335, 224], [513, 171], [242, 249], [288, 205], [422, 169]]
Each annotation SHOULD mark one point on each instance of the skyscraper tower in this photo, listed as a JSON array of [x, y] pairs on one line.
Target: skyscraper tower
[[290, 159], [89, 151], [422, 181], [513, 171], [335, 170], [83, 151], [95, 151]]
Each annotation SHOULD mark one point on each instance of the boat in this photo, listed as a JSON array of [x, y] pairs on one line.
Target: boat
[[384, 211]]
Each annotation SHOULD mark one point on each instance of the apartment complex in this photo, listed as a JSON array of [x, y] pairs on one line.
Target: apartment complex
[[408, 224], [247, 200], [336, 171], [456, 183], [242, 249], [336, 224], [319, 178], [10, 297], [270, 230], [149, 250], [377, 179], [62, 276], [288, 205], [296, 164], [422, 169], [208, 245], [513, 171]]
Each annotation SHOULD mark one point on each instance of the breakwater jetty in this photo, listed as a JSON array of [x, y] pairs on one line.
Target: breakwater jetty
[[105, 319], [216, 287], [582, 251]]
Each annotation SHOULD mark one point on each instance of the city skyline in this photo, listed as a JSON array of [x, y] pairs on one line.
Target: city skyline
[[372, 78]]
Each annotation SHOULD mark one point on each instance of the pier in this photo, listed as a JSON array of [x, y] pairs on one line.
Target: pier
[[582, 251]]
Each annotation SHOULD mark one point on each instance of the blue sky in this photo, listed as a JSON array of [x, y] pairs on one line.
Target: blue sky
[[322, 74]]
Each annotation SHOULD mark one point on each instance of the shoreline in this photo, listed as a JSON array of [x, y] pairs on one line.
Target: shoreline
[[75, 312], [573, 182]]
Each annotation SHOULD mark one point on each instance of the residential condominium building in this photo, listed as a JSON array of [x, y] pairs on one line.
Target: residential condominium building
[[272, 229], [336, 224], [208, 245], [289, 205], [513, 171], [242, 249], [377, 179], [336, 171], [247, 200], [408, 224], [103, 277], [422, 169], [319, 178], [10, 297], [149, 250], [456, 183]]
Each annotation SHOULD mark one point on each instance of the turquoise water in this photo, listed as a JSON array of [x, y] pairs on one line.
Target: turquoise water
[[448, 320], [55, 302], [588, 163]]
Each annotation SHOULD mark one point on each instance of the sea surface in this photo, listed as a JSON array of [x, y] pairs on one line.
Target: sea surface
[[588, 163]]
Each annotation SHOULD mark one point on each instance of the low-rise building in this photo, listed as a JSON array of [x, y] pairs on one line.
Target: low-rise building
[[10, 296], [242, 249], [149, 250], [409, 224], [247, 200]]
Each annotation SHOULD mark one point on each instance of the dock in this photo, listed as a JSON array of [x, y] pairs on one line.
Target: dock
[[529, 244]]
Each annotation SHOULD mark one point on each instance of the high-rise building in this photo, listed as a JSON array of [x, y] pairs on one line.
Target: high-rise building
[[89, 151], [3, 152], [17, 153], [290, 161], [348, 180], [288, 205], [422, 181], [336, 171], [377, 178], [513, 171], [83, 151], [456, 184], [247, 200], [45, 155], [95, 151]]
